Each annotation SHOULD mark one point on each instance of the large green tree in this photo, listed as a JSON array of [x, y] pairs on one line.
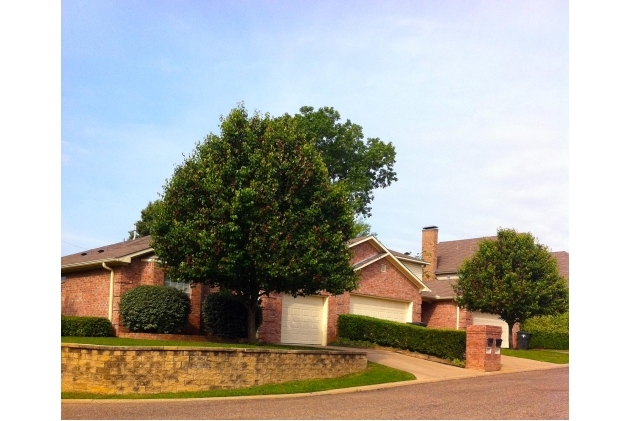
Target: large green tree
[[252, 210], [362, 165], [514, 277]]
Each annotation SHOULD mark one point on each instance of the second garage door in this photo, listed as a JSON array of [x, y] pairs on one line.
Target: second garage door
[[303, 320], [381, 308], [493, 320]]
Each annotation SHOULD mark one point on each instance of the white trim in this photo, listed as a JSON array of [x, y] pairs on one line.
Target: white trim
[[394, 260]]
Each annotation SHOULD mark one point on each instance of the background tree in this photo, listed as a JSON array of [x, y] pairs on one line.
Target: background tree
[[514, 277], [362, 166], [147, 215], [361, 227], [253, 210]]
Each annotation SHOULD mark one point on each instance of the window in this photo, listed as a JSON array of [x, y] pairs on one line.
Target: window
[[383, 268], [182, 286], [63, 279]]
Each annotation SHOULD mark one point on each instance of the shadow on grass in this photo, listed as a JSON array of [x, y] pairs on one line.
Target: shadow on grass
[[544, 355]]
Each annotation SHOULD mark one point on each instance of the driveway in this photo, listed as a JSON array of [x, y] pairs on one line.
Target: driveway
[[429, 371]]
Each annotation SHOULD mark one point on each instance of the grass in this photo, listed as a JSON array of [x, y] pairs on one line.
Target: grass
[[545, 355], [374, 374], [155, 342]]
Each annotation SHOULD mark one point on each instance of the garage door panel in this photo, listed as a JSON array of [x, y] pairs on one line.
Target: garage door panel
[[397, 311], [302, 320], [493, 320]]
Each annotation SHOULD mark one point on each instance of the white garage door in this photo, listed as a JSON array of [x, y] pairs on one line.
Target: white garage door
[[493, 320], [396, 311], [303, 321]]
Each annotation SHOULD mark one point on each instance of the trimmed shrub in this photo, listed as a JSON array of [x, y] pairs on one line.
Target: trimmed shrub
[[548, 332], [443, 343], [224, 315], [86, 326], [155, 309]]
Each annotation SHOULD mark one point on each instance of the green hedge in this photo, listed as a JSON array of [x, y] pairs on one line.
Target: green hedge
[[86, 326], [155, 309], [224, 315], [443, 343], [548, 332]]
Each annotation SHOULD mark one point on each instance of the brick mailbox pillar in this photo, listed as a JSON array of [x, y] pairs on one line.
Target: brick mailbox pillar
[[483, 348]]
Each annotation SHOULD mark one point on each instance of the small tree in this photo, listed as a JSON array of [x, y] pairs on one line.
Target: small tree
[[252, 210], [514, 277]]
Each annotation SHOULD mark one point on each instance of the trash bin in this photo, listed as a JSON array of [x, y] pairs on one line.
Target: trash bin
[[421, 324], [523, 339]]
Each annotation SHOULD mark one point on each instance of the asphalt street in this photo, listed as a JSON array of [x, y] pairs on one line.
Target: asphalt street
[[540, 394]]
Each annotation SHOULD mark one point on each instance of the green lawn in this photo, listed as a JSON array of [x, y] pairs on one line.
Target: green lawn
[[155, 342], [545, 355], [374, 374]]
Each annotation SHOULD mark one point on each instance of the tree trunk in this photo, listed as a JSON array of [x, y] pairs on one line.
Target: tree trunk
[[252, 322], [511, 345]]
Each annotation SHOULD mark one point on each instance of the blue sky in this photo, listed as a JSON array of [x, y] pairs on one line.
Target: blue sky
[[474, 95]]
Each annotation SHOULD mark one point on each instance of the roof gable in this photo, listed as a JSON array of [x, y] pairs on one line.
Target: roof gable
[[384, 253]]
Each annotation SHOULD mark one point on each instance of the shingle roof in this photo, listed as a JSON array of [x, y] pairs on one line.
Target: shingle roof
[[405, 256], [451, 254], [112, 251], [439, 289]]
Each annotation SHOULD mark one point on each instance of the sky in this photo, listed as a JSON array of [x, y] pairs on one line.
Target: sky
[[474, 96]]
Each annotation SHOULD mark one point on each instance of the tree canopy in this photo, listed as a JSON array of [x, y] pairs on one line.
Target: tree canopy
[[514, 277], [252, 210], [362, 165]]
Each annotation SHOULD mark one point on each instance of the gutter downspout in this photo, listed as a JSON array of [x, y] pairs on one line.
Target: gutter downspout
[[111, 303]]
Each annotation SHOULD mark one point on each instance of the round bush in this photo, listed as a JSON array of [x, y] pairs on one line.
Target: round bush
[[155, 309], [225, 315]]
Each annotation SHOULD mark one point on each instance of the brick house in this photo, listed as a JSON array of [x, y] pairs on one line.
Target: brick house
[[440, 271], [93, 281], [387, 289]]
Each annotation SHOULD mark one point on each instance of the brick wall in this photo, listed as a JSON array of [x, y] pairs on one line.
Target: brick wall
[[86, 293], [443, 314], [479, 356], [144, 370], [362, 252], [269, 331]]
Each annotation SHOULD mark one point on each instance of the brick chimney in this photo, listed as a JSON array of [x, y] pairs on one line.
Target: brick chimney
[[429, 251]]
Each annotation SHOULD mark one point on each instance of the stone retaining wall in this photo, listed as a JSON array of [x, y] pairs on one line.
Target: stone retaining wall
[[143, 370]]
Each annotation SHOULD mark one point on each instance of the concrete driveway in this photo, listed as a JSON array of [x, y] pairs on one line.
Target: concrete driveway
[[429, 371]]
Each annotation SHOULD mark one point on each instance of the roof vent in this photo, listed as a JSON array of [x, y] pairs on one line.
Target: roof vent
[[431, 227], [101, 251], [84, 254]]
